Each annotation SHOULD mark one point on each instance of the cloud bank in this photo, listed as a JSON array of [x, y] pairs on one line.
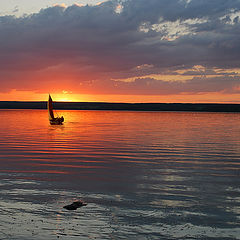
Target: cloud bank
[[124, 47]]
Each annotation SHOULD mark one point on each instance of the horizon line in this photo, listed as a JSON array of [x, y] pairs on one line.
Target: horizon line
[[23, 101]]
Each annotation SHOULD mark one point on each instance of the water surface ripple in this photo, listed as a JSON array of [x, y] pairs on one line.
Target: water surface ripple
[[144, 175]]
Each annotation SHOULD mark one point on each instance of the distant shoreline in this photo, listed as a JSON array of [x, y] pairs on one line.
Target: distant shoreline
[[191, 107]]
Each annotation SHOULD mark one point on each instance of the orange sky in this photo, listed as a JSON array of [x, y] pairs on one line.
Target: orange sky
[[65, 96]]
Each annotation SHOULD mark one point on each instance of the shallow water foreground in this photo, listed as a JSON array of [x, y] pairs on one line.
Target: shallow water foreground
[[144, 175]]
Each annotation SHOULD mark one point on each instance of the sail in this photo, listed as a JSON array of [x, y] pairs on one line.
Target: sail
[[50, 108]]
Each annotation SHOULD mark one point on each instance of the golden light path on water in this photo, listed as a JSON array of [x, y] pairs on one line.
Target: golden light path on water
[[144, 175]]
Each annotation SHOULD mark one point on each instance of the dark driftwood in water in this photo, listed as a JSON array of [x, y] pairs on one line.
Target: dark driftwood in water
[[75, 205], [193, 107]]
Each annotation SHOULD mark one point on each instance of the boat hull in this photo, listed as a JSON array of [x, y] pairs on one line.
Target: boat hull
[[57, 121]]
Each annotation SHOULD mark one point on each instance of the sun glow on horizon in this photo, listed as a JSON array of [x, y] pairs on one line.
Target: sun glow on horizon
[[68, 96], [64, 96]]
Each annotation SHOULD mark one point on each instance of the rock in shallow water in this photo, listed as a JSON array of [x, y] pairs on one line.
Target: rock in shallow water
[[75, 205]]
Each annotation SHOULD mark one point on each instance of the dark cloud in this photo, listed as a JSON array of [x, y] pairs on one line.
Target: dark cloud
[[16, 9], [80, 45]]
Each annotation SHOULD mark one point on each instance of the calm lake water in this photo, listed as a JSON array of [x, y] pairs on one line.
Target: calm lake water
[[144, 175]]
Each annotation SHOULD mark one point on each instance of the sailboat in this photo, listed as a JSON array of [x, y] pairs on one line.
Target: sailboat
[[53, 120]]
